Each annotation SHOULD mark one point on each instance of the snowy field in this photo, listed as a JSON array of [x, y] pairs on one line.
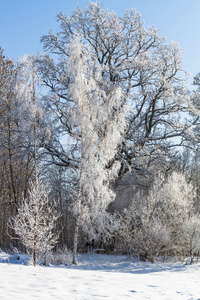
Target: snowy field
[[98, 277]]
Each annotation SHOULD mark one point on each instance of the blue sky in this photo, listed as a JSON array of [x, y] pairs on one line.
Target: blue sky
[[23, 22]]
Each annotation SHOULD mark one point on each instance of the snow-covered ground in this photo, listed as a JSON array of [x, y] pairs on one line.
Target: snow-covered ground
[[98, 277]]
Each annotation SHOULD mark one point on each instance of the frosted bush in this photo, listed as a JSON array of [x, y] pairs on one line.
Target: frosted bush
[[161, 222], [61, 256]]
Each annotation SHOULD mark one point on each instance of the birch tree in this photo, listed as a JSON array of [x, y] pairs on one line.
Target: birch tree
[[95, 116]]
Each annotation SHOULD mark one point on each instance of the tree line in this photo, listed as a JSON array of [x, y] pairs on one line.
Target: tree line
[[103, 122]]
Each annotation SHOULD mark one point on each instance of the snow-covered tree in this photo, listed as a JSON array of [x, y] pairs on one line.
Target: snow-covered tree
[[98, 120], [16, 158], [35, 223], [148, 70], [159, 220], [29, 107]]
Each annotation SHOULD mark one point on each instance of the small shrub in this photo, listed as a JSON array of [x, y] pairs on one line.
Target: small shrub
[[60, 257]]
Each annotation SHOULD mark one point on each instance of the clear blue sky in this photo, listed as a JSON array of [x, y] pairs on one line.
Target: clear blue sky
[[23, 22]]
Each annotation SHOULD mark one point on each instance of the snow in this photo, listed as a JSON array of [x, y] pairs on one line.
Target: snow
[[98, 277]]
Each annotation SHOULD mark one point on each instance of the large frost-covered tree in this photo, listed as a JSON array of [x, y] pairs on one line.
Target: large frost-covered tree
[[97, 120], [148, 70]]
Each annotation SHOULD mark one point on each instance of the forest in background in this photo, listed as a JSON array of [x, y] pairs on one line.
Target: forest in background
[[99, 142]]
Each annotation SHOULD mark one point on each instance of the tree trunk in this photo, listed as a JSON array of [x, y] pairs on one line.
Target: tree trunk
[[75, 261], [34, 256]]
